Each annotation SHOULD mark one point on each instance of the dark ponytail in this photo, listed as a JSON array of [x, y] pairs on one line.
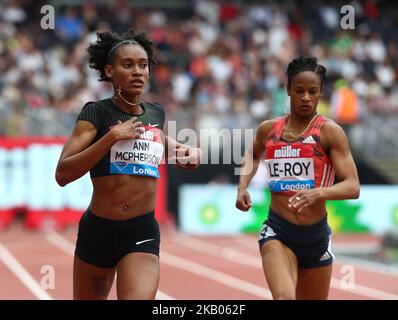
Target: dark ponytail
[[305, 64]]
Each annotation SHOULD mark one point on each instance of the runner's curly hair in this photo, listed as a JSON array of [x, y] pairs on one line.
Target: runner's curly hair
[[102, 51]]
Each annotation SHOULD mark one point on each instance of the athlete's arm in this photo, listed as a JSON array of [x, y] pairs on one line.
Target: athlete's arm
[[344, 166], [250, 162], [182, 155], [78, 156]]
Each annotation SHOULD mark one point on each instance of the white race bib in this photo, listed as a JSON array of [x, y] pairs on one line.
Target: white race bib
[[140, 156], [289, 168]]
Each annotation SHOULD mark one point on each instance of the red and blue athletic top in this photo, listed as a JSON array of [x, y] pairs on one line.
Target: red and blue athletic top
[[299, 164]]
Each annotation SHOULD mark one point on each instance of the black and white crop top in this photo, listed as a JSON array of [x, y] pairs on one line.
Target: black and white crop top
[[140, 156]]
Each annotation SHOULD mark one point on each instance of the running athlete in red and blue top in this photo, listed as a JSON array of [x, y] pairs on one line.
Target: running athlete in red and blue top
[[121, 142], [303, 151]]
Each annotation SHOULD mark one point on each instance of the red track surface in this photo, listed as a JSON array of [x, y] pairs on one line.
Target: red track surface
[[192, 267]]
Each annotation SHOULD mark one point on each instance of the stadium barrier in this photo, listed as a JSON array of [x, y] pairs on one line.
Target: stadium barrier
[[212, 210], [28, 185]]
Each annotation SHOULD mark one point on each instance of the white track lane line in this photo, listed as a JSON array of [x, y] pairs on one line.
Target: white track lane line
[[369, 266], [250, 260], [364, 291], [338, 248], [69, 248], [22, 274], [185, 265], [214, 275], [246, 241]]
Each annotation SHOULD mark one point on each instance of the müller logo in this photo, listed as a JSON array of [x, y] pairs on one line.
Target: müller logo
[[287, 152], [147, 135]]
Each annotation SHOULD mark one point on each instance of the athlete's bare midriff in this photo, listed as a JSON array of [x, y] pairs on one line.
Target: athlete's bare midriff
[[120, 197], [309, 215]]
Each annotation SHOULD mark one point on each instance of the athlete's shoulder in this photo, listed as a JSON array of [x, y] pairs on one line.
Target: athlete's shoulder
[[154, 105], [88, 108], [332, 134], [270, 123], [266, 126], [90, 104], [330, 126], [158, 110], [94, 105], [92, 111]]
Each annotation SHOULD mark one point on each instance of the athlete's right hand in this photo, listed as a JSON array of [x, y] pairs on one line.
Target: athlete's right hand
[[130, 129], [243, 201]]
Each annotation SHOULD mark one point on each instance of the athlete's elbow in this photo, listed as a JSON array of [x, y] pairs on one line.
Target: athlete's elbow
[[61, 178], [62, 182], [356, 192]]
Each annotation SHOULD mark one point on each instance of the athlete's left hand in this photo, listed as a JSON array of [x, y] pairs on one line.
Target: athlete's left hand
[[304, 198], [187, 158]]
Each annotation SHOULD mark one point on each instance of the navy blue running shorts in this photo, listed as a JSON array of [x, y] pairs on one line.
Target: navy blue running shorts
[[311, 244]]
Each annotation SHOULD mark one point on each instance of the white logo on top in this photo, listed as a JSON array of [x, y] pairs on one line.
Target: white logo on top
[[325, 256], [309, 139], [287, 152], [139, 242]]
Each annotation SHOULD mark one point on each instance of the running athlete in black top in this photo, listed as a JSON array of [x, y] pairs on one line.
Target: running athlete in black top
[[120, 141], [105, 114]]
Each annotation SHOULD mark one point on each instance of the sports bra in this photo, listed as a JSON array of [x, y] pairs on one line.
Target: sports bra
[[299, 164]]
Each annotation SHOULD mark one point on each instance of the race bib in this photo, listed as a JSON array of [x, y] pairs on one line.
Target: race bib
[[290, 168], [140, 156]]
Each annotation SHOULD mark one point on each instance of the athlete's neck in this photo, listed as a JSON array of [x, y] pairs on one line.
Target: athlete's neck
[[298, 122], [130, 105], [296, 126]]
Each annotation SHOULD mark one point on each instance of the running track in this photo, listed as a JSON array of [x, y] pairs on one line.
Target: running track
[[192, 267]]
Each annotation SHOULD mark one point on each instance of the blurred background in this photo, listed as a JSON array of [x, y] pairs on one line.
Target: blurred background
[[221, 65]]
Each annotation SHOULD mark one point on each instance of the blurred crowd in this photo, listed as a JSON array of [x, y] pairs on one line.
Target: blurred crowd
[[221, 64]]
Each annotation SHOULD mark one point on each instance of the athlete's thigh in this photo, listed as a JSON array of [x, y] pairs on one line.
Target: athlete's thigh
[[91, 282], [138, 276], [314, 283], [280, 268]]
